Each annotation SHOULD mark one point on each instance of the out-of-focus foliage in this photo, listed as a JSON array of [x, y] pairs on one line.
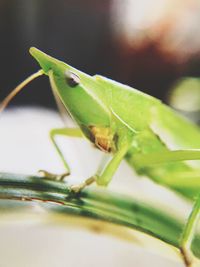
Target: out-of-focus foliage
[[184, 96]]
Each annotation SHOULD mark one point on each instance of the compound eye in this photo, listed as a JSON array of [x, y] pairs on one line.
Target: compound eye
[[72, 79]]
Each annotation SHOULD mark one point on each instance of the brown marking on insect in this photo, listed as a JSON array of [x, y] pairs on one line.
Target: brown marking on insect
[[72, 78], [103, 138]]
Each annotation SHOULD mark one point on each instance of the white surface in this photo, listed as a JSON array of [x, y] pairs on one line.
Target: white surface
[[25, 148], [33, 246]]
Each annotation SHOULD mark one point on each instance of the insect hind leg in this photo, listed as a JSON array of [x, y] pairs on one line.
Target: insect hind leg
[[188, 234]]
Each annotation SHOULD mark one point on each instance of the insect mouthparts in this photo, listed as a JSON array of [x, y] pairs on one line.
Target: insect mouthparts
[[72, 79]]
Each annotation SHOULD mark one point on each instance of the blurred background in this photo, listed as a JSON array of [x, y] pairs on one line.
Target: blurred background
[[152, 45], [148, 44]]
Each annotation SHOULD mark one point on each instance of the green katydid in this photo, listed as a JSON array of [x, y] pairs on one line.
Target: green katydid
[[130, 125]]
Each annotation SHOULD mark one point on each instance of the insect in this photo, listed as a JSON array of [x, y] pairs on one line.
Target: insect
[[128, 124]]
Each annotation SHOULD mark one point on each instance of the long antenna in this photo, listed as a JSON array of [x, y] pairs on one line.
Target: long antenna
[[17, 89]]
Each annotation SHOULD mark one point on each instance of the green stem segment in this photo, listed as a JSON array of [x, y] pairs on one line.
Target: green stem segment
[[99, 204]]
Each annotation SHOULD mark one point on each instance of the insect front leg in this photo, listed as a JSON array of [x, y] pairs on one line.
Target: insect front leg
[[188, 234], [70, 132]]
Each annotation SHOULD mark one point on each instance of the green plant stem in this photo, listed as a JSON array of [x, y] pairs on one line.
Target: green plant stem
[[99, 204]]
